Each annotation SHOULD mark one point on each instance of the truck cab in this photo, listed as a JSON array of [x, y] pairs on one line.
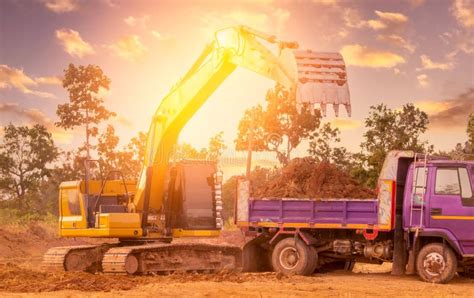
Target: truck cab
[[438, 216]]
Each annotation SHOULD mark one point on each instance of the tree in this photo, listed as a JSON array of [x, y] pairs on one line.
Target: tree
[[216, 146], [322, 147], [128, 160], [213, 152], [322, 141], [24, 156], [387, 130], [187, 151], [466, 151], [279, 128], [470, 130], [85, 107], [137, 147]]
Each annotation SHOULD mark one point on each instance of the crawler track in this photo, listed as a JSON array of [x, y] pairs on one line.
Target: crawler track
[[164, 258], [75, 258]]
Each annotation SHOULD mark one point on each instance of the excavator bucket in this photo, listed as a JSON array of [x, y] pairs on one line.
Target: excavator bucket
[[322, 79]]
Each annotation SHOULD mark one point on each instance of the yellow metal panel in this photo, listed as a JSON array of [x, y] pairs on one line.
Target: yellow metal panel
[[195, 233], [119, 220], [98, 233], [72, 222]]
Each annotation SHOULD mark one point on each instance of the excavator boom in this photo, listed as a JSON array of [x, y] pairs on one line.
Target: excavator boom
[[231, 47]]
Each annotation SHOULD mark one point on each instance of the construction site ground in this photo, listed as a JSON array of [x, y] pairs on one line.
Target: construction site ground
[[21, 248]]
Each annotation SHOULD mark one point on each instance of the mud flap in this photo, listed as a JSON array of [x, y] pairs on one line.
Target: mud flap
[[255, 257]]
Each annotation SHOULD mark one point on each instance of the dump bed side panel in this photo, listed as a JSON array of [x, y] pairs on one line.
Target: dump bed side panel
[[341, 212]]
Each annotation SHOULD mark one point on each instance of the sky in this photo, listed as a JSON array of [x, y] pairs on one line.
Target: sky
[[396, 52]]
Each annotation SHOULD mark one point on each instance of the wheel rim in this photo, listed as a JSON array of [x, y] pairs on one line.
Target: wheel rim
[[434, 264], [289, 258]]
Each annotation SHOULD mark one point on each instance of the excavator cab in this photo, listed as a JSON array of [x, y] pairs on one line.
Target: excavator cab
[[98, 208], [99, 212], [194, 196]]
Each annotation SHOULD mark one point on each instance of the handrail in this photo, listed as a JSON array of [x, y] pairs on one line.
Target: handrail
[[104, 182]]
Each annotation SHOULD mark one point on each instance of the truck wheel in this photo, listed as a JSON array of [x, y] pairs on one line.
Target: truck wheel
[[436, 263], [292, 256]]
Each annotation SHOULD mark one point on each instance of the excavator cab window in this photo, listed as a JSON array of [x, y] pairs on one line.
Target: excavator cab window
[[192, 195]]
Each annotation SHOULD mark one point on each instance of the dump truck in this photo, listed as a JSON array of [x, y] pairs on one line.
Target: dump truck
[[421, 220]]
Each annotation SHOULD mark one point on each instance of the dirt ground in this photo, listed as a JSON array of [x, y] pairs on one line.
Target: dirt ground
[[21, 275]]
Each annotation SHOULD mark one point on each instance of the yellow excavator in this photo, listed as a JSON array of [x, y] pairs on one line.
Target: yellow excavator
[[182, 199]]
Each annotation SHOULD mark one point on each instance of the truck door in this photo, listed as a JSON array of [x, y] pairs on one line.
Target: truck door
[[451, 205]]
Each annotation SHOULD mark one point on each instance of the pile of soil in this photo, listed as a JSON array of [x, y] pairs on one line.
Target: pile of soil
[[307, 178]]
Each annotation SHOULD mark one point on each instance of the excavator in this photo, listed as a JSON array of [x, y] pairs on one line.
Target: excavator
[[182, 199]]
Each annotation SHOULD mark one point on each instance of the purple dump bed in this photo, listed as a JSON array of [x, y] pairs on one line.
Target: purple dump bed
[[338, 211]]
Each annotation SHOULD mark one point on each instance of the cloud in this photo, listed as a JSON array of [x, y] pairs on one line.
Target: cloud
[[160, 36], [427, 63], [449, 113], [273, 20], [60, 6], [359, 55], [387, 20], [130, 48], [31, 116], [463, 11], [327, 2], [123, 121], [346, 124], [110, 3], [393, 17], [422, 80], [398, 41], [352, 18], [392, 27], [73, 44], [460, 40], [54, 80], [11, 77], [397, 71], [416, 3], [141, 22]]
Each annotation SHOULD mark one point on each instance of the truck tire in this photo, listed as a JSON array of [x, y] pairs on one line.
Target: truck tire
[[293, 257], [436, 263]]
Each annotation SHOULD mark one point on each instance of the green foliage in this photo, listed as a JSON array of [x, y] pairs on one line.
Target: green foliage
[[387, 130], [25, 154], [280, 128], [470, 129], [229, 194], [128, 160], [213, 152], [322, 147], [13, 216], [216, 146], [85, 107]]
